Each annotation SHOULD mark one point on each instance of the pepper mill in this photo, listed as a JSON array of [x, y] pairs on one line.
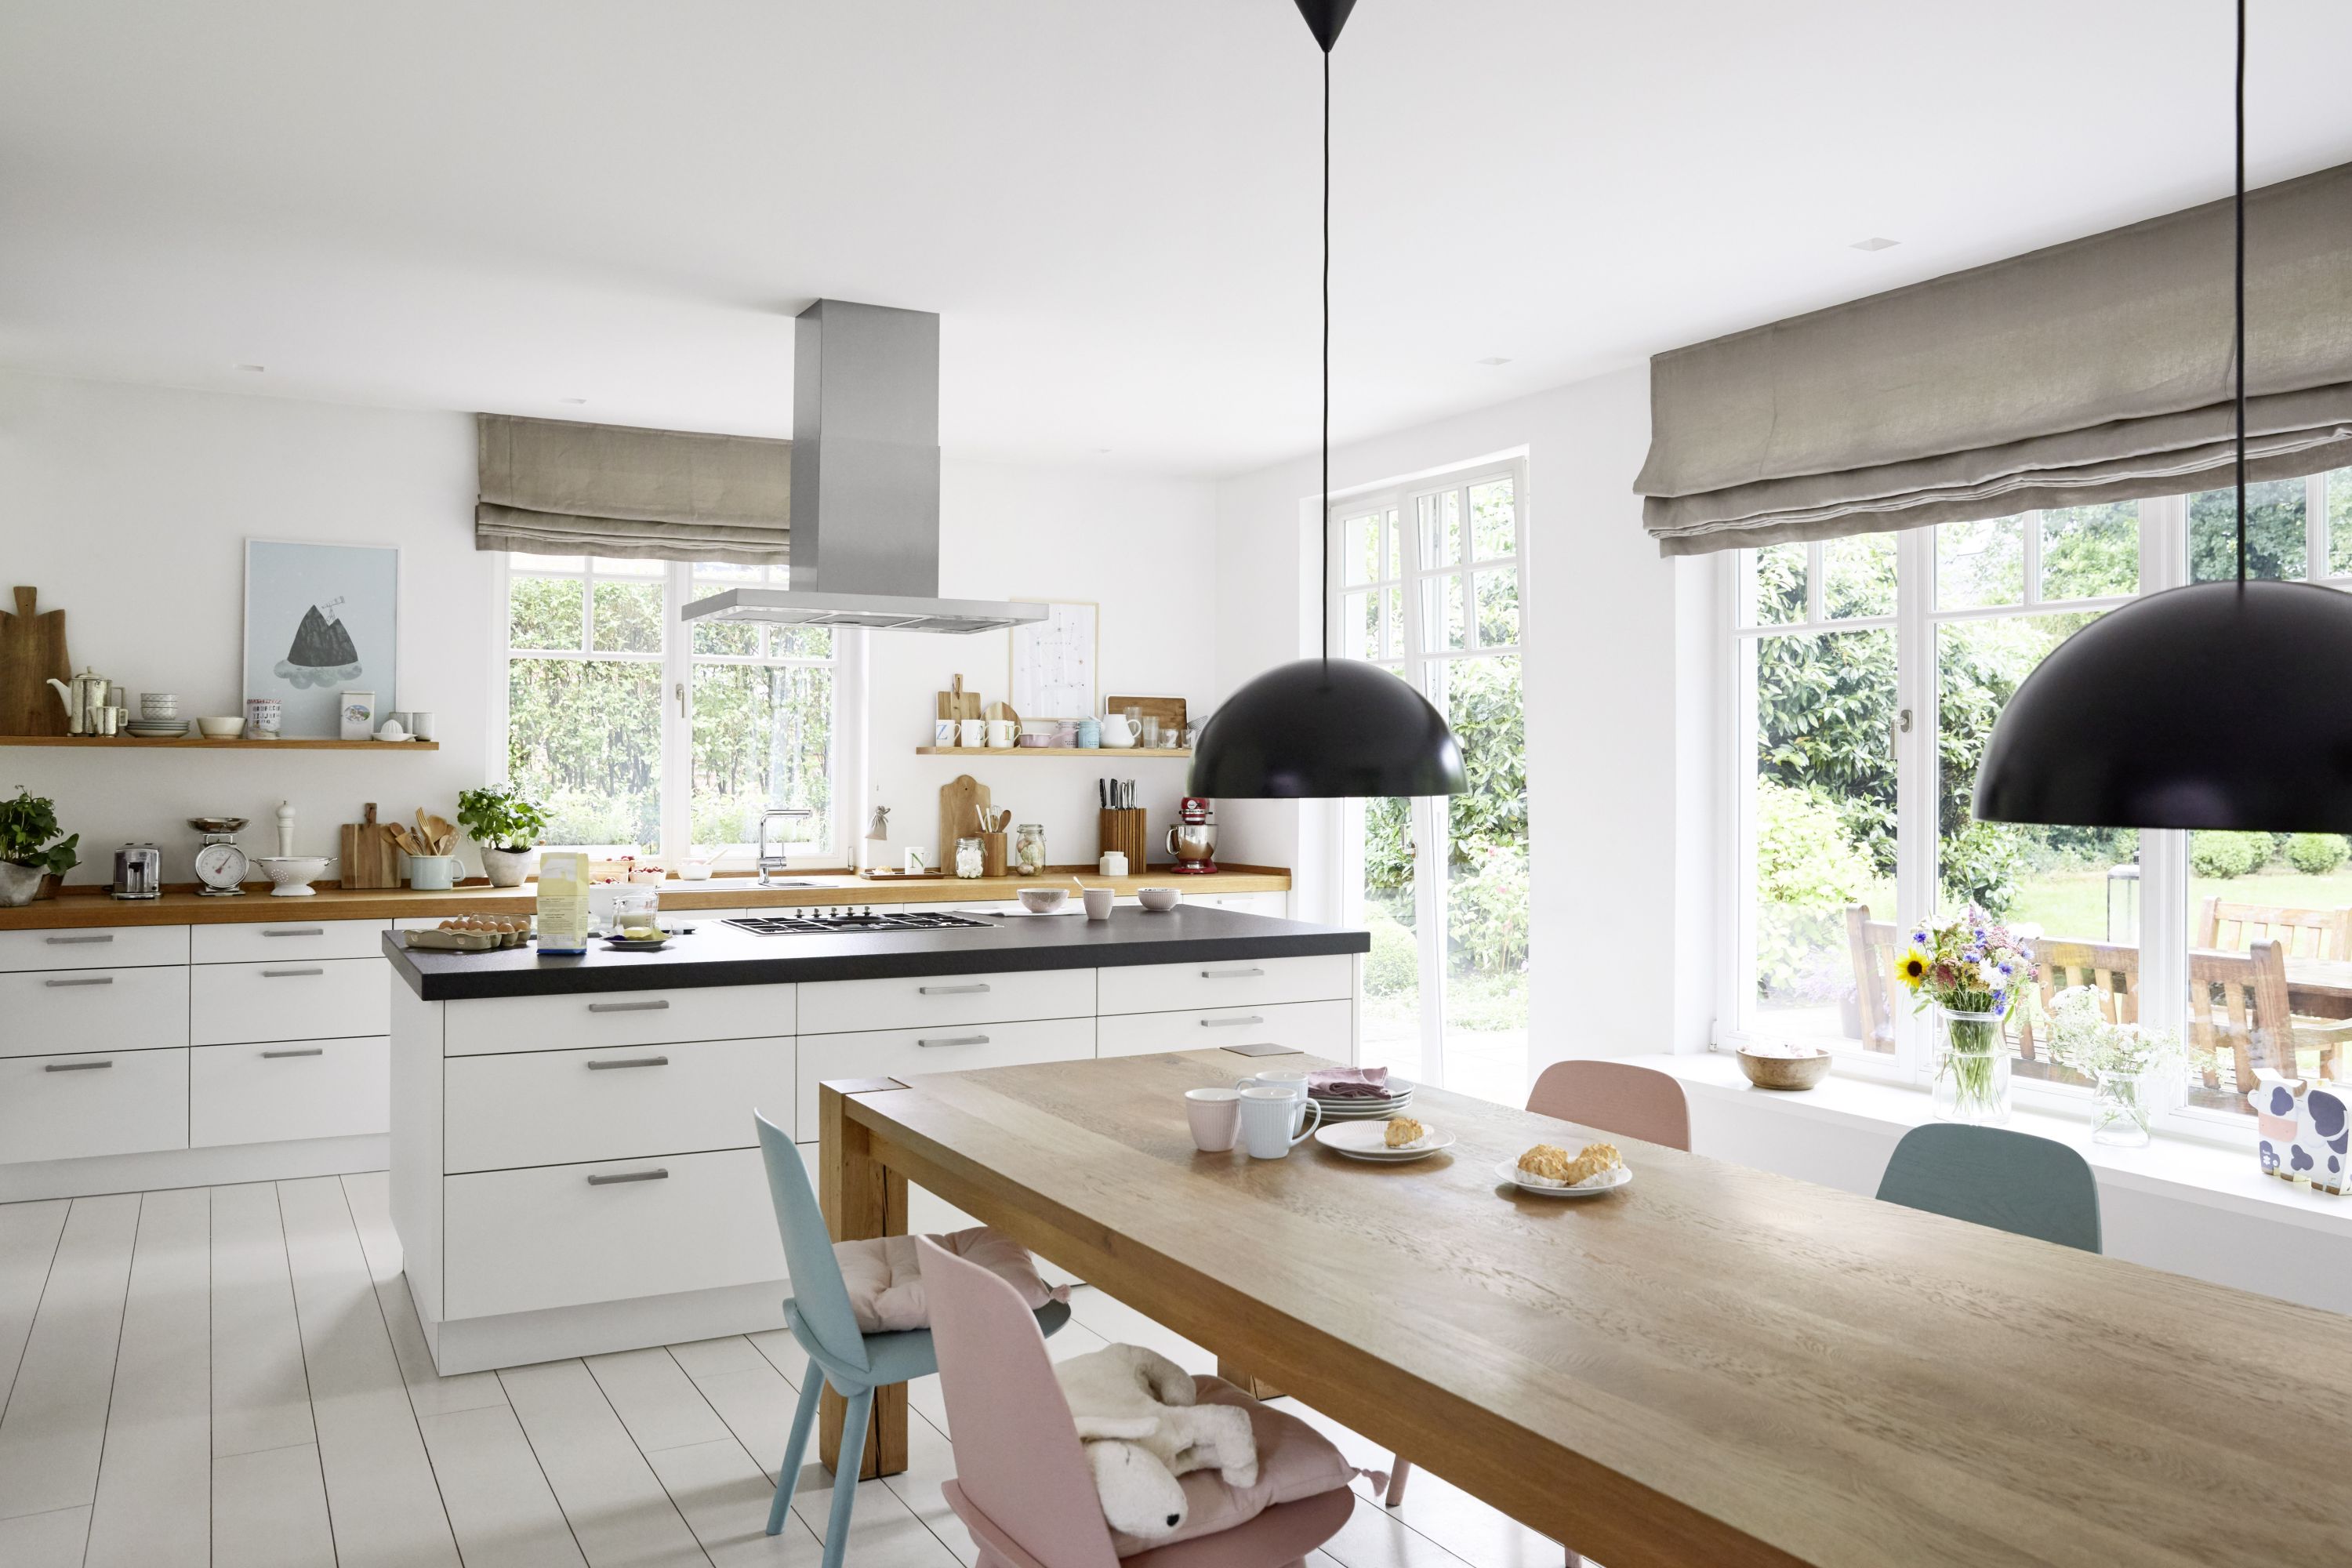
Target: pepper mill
[[286, 827]]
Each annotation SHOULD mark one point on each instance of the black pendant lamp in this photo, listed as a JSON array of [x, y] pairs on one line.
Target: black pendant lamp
[[2221, 705], [1324, 727]]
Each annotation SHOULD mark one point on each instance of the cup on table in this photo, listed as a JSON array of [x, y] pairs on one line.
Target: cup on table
[[1215, 1115], [1267, 1117], [972, 733], [1098, 902], [1000, 733], [1290, 1081]]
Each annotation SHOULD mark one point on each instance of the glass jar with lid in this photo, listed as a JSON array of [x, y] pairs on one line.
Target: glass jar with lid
[[968, 857], [636, 911], [1028, 849]]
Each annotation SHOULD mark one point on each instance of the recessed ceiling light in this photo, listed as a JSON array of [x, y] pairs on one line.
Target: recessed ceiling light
[[1102, 451], [575, 401], [1495, 359], [1875, 242], [256, 369]]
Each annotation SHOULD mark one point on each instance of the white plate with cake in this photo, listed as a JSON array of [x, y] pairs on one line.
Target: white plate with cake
[[1388, 1142]]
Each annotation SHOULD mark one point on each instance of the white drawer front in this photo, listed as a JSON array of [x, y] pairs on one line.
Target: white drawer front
[[617, 1018], [942, 1047], [93, 1010], [831, 1006], [1319, 1028], [276, 942], [1230, 982], [549, 1108], [300, 999], [116, 1102], [518, 1241], [107, 947], [267, 1092]]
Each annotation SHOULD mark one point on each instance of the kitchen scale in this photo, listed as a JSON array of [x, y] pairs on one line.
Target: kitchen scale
[[220, 864]]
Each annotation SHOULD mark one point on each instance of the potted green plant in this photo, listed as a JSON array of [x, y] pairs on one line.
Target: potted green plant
[[30, 848], [507, 823]]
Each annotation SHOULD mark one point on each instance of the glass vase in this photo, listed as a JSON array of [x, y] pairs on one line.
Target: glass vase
[[1971, 1061], [2122, 1106]]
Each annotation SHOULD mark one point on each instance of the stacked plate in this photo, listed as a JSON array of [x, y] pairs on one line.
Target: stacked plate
[[157, 728], [1350, 1108], [1360, 1140]]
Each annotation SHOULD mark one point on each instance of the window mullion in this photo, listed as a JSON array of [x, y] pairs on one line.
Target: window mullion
[[2315, 528], [1917, 784], [678, 714], [2164, 852]]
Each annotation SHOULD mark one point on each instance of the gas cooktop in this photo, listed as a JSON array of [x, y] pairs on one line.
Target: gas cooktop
[[818, 923]]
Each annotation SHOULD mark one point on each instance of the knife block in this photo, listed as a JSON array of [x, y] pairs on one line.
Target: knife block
[[1122, 830]]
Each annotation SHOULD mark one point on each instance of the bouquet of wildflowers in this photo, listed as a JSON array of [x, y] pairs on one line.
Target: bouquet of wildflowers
[[2116, 1058], [1974, 969]]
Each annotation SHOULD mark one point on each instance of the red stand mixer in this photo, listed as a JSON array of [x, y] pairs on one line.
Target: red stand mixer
[[1192, 837]]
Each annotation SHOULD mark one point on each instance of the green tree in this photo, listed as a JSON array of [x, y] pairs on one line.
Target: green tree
[[2275, 536]]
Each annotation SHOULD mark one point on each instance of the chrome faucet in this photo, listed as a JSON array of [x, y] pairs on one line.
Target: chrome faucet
[[775, 861]]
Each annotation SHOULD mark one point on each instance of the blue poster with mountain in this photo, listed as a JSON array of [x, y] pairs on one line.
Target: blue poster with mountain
[[318, 618]]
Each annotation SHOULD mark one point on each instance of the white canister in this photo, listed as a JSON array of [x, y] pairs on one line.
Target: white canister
[[262, 717], [1113, 863], [1267, 1117], [421, 725], [358, 715]]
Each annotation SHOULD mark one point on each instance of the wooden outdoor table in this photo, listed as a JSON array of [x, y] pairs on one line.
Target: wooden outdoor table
[[1712, 1366], [2319, 987]]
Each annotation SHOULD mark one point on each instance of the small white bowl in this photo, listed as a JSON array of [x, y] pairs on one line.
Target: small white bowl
[[222, 729], [293, 874], [694, 871], [1043, 900], [1159, 901]]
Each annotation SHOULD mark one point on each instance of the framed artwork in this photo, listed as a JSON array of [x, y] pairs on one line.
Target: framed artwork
[[320, 618], [1053, 674]]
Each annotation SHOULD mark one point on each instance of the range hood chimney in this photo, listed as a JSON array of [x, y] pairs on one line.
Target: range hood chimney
[[866, 484]]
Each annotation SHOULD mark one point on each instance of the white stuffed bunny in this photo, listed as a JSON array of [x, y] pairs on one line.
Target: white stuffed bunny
[[1135, 1411]]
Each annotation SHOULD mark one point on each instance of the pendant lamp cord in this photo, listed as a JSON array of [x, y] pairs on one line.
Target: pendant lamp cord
[[1326, 515], [2241, 291]]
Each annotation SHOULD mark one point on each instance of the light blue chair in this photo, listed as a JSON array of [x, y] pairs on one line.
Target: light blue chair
[[1991, 1176], [821, 1318]]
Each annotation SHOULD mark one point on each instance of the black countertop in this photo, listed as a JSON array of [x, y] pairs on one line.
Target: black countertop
[[720, 954]]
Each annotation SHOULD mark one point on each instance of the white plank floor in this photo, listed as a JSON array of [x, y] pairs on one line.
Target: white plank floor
[[234, 1377]]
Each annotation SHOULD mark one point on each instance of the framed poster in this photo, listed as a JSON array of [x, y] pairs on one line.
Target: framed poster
[[318, 618], [1053, 674]]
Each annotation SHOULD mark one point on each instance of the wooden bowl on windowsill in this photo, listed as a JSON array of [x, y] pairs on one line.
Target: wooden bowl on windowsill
[[1794, 1067]]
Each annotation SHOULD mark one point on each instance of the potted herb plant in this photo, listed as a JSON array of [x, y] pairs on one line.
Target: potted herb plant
[[30, 848], [507, 823]]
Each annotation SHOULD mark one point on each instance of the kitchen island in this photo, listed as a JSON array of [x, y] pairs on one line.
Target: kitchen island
[[573, 1164]]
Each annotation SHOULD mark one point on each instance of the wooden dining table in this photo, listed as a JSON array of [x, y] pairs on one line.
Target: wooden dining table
[[2319, 987], [1711, 1365]]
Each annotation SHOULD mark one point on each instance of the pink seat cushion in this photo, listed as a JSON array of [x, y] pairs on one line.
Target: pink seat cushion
[[1294, 1461], [885, 1278]]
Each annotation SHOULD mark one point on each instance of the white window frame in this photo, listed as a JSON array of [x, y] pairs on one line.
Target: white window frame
[[678, 661]]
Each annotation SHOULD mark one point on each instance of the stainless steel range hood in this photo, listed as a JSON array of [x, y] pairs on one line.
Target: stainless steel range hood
[[866, 484]]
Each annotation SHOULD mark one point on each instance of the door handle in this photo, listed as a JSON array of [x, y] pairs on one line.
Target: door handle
[[1231, 973], [978, 990], [290, 974], [656, 1174], [1230, 1022], [304, 1052], [295, 931], [82, 980], [631, 1062], [954, 1040], [78, 940], [628, 1006], [75, 1067]]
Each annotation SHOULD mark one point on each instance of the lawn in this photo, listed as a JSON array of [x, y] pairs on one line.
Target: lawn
[[2073, 904]]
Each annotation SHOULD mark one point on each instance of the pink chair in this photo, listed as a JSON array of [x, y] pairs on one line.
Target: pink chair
[[1616, 1096], [1022, 1484]]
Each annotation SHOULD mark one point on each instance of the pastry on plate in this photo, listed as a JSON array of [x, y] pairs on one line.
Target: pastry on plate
[[1403, 1131], [1549, 1162]]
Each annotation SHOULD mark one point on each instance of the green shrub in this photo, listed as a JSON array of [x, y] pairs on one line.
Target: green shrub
[[2316, 854], [1807, 871], [1982, 865], [2225, 853], [1489, 913], [1393, 965]]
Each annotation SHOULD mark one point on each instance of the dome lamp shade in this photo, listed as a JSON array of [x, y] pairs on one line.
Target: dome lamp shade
[[1319, 728]]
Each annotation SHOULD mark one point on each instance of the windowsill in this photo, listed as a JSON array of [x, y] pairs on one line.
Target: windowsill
[[2184, 1169]]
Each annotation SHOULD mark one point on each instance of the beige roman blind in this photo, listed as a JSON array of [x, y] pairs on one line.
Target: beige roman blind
[[557, 488], [2097, 370]]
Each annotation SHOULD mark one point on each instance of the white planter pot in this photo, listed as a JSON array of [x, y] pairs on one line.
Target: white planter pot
[[507, 868], [19, 885]]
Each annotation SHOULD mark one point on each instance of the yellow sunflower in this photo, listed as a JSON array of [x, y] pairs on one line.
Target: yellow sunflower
[[1913, 969]]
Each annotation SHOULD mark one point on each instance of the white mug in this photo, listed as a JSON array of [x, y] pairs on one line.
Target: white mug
[[1267, 1117], [1290, 1081], [1001, 732], [1215, 1116], [420, 724], [943, 732], [1098, 901], [972, 733]]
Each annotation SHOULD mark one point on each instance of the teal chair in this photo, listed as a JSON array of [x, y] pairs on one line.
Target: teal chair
[[1989, 1176], [820, 1317]]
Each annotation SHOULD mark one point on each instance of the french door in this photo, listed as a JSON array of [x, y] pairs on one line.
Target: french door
[[1428, 581]]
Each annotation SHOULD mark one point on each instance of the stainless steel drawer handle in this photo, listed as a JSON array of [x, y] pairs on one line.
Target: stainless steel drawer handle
[[304, 1052], [295, 931], [290, 974], [978, 989], [75, 1067], [628, 1006], [631, 1062], [78, 940], [656, 1174], [82, 980], [1230, 1023], [1231, 973], [954, 1040]]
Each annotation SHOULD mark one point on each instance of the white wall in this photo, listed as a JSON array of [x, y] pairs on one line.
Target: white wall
[[127, 507], [1619, 844]]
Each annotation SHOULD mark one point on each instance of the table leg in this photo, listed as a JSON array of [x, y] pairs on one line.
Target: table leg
[[862, 1198]]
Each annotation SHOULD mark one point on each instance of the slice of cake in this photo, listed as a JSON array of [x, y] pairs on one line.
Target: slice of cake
[[1404, 1130]]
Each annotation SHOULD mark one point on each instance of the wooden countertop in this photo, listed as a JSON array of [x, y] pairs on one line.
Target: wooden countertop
[[88, 906]]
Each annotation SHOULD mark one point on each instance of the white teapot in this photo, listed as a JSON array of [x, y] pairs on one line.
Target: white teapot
[[1118, 729]]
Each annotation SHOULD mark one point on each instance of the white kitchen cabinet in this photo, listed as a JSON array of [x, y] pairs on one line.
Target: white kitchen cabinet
[[551, 1108], [620, 1018], [281, 942], [831, 1006], [106, 947], [1319, 1028], [93, 1010], [98, 1102], [1227, 982], [937, 1048], [273, 1091], [295, 999]]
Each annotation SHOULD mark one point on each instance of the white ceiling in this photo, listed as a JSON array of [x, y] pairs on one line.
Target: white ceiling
[[501, 206]]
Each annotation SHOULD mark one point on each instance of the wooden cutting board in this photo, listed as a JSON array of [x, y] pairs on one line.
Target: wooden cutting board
[[1168, 711], [957, 703], [32, 654], [370, 859], [959, 802]]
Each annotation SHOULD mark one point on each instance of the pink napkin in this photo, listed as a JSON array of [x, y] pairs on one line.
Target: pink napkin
[[1348, 1083]]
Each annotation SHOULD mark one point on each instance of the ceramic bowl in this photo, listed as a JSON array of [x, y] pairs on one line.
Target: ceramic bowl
[[158, 705], [694, 871], [1159, 901], [1774, 1071], [291, 874], [222, 729], [1043, 900]]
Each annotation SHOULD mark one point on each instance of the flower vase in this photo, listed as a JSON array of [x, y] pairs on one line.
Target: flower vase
[[2122, 1105], [1971, 1060]]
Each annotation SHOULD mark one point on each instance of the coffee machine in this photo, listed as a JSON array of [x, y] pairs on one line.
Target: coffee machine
[[1192, 837]]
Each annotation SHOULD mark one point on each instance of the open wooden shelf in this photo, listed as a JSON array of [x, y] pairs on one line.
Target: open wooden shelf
[[198, 742], [1052, 750]]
